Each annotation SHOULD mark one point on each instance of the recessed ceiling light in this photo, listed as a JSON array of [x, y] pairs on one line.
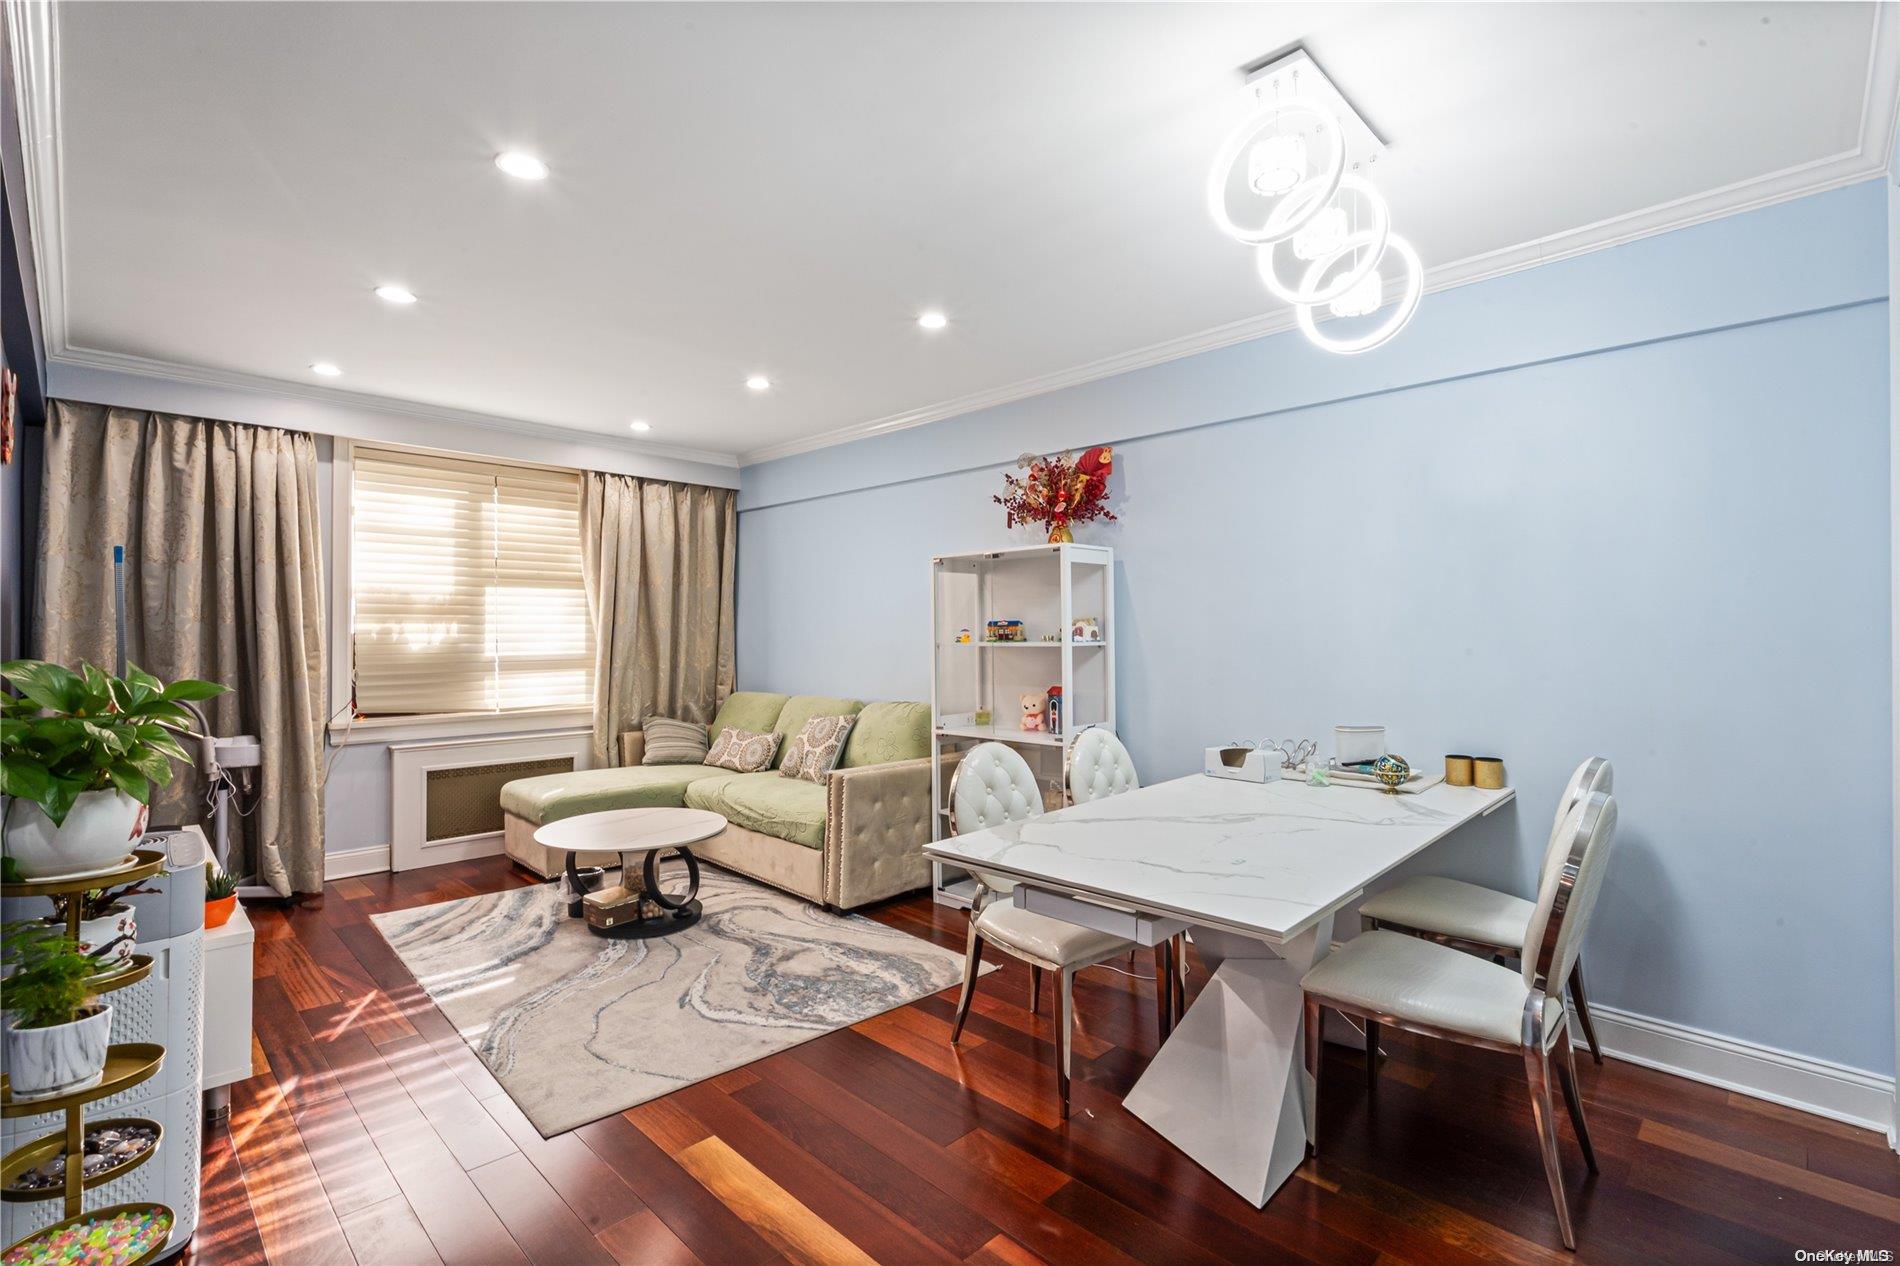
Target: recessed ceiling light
[[395, 294], [759, 382], [522, 166], [324, 369], [933, 320], [640, 425]]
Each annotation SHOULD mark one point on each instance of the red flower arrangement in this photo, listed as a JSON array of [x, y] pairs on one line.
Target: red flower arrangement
[[1059, 491]]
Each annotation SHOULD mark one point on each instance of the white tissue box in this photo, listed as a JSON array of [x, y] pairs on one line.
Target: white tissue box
[[1244, 764]]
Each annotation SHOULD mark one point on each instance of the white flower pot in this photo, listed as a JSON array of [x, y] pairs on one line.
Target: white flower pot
[[42, 1063], [110, 938], [102, 828]]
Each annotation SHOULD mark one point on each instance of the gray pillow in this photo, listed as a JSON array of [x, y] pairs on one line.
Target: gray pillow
[[674, 742]]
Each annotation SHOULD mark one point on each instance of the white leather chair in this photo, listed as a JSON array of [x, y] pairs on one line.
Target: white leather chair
[[993, 785], [1481, 919], [1100, 766], [1423, 987]]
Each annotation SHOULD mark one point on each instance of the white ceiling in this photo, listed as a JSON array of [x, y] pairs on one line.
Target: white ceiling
[[782, 188]]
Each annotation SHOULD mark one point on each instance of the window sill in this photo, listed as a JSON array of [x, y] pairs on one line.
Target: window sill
[[458, 725]]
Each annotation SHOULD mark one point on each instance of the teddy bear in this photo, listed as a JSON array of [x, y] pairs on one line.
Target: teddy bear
[[1033, 706]]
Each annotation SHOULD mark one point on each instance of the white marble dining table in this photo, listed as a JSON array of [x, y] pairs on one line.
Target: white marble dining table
[[1255, 872]]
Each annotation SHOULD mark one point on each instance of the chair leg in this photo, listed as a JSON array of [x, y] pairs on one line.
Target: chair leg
[[1372, 1056], [1180, 975], [1035, 990], [1313, 1045], [1543, 1111], [1164, 988], [972, 968], [1065, 1023], [1583, 1009], [1567, 1078]]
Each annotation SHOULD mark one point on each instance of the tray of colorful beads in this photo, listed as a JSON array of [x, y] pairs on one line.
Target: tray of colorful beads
[[122, 1235]]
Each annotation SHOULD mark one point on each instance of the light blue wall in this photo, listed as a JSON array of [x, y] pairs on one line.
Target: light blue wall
[[1633, 503]]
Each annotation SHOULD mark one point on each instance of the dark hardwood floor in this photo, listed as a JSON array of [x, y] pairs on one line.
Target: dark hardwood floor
[[371, 1134]]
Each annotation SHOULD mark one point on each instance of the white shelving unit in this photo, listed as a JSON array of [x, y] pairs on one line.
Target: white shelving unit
[[1048, 588]]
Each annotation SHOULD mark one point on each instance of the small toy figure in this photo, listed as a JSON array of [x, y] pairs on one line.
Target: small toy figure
[[963, 636], [1032, 712]]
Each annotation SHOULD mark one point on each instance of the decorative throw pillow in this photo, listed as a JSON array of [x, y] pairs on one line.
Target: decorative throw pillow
[[674, 742], [815, 749], [742, 751]]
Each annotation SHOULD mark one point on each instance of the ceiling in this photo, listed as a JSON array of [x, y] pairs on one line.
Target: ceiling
[[782, 188]]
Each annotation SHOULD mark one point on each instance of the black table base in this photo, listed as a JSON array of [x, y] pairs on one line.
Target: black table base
[[657, 912]]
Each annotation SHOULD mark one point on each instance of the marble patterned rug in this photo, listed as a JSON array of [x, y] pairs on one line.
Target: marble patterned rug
[[577, 1027]]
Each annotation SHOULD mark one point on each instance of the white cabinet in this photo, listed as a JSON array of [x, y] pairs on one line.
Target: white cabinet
[[227, 952], [976, 686]]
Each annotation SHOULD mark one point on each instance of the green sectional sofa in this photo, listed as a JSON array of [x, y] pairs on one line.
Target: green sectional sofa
[[854, 839]]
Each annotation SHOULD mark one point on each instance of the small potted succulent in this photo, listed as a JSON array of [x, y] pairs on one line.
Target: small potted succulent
[[80, 755], [220, 896], [56, 1030]]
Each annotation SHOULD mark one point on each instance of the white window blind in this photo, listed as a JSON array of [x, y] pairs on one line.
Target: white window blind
[[466, 586]]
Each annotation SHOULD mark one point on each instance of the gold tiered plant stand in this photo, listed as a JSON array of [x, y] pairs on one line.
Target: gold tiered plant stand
[[127, 1064]]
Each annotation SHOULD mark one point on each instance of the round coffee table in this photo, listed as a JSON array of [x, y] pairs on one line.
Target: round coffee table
[[649, 910]]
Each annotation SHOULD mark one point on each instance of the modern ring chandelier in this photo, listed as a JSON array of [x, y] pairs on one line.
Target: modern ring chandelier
[[1321, 232]]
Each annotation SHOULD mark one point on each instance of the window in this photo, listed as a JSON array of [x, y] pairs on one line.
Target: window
[[466, 587]]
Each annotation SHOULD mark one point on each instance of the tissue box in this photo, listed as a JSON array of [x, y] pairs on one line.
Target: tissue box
[[1245, 764]]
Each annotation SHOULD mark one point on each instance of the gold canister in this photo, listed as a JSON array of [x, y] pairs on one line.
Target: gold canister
[[1458, 771], [1488, 772]]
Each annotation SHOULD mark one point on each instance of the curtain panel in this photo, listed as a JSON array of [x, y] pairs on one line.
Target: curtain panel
[[223, 567], [658, 561]]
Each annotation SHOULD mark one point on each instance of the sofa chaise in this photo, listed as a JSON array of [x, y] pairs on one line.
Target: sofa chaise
[[854, 839]]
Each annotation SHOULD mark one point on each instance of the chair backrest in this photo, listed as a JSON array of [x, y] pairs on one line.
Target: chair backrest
[[1594, 774], [1569, 894], [1099, 765], [993, 785]]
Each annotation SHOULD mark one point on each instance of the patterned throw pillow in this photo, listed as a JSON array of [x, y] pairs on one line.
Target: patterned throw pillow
[[674, 742], [815, 749], [742, 751]]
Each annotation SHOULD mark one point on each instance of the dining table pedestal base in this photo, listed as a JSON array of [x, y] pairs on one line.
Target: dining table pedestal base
[[1229, 1086]]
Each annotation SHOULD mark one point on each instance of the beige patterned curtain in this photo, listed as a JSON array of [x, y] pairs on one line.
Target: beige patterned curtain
[[222, 581], [658, 559]]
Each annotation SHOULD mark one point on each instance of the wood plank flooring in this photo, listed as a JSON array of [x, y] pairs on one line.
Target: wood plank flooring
[[371, 1134]]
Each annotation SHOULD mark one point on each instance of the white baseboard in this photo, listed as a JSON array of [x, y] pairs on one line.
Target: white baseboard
[[356, 861], [1762, 1072]]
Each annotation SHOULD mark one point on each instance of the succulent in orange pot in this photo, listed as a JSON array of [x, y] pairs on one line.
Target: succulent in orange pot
[[220, 896]]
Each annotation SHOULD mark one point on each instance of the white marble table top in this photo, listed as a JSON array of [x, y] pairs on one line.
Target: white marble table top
[[630, 830], [1262, 859]]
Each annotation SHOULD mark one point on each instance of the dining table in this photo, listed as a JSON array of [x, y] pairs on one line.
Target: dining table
[[1255, 873]]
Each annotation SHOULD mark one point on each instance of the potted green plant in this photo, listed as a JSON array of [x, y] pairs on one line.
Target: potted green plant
[[57, 1032], [220, 896], [80, 755]]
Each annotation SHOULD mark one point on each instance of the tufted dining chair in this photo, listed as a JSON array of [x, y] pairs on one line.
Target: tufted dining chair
[[1420, 986], [1100, 766], [993, 786], [1486, 921]]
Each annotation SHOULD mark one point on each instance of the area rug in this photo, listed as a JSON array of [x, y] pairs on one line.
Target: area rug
[[577, 1027]]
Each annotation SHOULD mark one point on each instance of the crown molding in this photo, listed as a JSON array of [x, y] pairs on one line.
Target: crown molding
[[197, 375], [1880, 117], [35, 31]]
